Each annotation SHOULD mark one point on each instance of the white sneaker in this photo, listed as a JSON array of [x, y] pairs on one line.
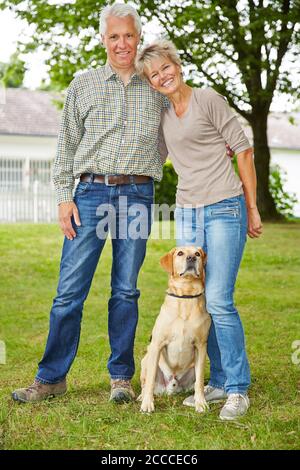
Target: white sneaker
[[212, 395], [235, 406]]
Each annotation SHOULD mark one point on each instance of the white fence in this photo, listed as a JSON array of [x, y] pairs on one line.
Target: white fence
[[26, 192]]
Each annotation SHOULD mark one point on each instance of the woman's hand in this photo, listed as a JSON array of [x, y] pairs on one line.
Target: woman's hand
[[254, 223]]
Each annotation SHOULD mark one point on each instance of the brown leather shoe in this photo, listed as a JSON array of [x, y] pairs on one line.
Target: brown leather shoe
[[121, 391], [38, 392]]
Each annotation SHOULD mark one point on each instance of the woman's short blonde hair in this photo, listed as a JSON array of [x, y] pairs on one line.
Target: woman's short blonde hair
[[159, 48]]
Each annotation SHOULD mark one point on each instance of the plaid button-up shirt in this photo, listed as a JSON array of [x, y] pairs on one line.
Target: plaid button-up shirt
[[108, 128]]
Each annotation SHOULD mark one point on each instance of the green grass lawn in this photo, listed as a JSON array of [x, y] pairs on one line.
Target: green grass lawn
[[267, 296]]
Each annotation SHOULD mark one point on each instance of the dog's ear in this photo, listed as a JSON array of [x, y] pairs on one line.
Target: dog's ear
[[204, 258], [166, 261], [203, 255]]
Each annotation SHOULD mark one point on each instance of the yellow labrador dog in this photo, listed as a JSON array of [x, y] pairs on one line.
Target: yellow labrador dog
[[175, 358]]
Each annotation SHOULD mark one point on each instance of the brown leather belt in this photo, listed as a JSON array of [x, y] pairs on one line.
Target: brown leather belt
[[111, 180]]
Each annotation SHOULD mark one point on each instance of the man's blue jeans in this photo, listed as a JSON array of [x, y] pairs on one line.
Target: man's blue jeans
[[221, 229], [127, 209]]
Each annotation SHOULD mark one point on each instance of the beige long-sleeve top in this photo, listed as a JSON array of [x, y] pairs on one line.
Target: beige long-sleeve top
[[196, 146]]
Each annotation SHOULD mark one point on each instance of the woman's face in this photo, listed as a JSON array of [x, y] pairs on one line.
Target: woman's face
[[164, 76]]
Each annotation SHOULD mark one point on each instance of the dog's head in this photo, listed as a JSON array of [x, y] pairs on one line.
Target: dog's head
[[185, 261]]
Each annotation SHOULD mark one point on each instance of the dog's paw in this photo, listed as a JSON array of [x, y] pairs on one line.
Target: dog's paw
[[140, 397], [147, 406], [201, 406]]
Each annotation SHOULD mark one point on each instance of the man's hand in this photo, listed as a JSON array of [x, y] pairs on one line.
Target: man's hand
[[254, 223], [65, 211], [229, 151]]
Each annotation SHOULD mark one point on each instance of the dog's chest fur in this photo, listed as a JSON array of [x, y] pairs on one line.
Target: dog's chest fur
[[183, 327]]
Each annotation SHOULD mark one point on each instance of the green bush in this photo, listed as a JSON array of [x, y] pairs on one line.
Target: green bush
[[165, 190], [284, 201]]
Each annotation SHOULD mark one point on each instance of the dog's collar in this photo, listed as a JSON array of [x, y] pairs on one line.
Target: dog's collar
[[184, 296]]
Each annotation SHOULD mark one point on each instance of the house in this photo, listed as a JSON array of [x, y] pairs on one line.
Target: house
[[284, 143], [285, 150], [29, 125]]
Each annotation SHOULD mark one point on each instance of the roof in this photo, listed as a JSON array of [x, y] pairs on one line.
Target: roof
[[282, 133], [29, 112]]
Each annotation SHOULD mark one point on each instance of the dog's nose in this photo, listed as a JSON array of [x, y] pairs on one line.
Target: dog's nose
[[191, 258]]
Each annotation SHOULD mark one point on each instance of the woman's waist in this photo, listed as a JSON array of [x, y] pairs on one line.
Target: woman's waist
[[194, 199]]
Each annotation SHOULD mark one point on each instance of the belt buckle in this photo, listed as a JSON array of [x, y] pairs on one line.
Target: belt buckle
[[106, 181]]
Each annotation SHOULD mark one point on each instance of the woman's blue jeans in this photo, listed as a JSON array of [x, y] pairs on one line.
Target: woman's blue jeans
[[127, 211], [221, 229]]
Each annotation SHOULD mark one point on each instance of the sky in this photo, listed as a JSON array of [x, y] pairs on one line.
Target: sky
[[11, 29]]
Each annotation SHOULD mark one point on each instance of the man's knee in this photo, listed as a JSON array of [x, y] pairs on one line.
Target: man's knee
[[125, 293]]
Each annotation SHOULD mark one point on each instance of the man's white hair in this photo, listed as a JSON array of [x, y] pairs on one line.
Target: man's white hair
[[120, 10]]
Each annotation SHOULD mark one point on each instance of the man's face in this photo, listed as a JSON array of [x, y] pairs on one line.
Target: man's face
[[121, 41]]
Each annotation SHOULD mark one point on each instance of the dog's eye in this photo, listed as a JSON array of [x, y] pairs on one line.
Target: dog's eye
[[180, 253], [197, 253]]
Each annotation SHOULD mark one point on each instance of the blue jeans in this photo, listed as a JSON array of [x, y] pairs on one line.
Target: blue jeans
[[221, 229], [97, 205]]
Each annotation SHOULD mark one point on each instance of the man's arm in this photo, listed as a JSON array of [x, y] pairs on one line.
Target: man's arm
[[162, 147], [70, 135]]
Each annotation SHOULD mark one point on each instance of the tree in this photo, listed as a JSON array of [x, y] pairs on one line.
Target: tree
[[69, 32], [12, 73], [237, 47]]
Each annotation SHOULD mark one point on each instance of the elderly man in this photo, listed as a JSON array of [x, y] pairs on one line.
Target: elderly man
[[108, 139]]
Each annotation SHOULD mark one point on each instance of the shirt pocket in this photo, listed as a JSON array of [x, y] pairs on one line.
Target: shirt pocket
[[149, 124], [100, 118]]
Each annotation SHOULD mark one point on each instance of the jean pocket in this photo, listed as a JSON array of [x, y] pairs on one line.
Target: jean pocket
[[143, 190], [229, 211], [82, 188]]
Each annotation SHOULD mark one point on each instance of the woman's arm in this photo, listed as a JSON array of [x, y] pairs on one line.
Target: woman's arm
[[247, 174]]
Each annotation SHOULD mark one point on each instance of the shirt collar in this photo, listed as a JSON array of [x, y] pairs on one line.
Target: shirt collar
[[109, 72]]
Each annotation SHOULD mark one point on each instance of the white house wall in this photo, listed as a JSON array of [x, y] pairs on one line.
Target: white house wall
[[26, 190], [289, 161], [34, 148], [31, 147]]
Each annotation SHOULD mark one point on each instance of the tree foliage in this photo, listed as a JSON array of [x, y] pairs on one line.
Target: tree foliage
[[236, 46], [12, 73], [69, 33]]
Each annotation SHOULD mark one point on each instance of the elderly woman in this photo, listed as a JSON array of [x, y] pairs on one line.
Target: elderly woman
[[214, 209]]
